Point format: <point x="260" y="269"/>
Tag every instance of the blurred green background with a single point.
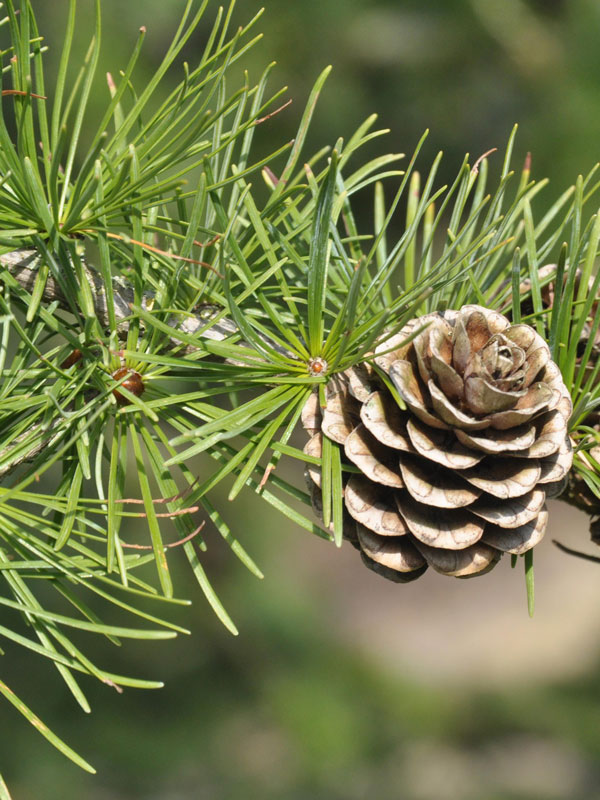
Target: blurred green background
<point x="341" y="686"/>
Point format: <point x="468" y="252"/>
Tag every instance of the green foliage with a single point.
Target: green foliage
<point x="231" y="287"/>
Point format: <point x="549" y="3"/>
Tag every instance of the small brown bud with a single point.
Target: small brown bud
<point x="317" y="366"/>
<point x="75" y="356"/>
<point x="133" y="383"/>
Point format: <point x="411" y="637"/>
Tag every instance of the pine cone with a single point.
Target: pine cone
<point x="462" y="475"/>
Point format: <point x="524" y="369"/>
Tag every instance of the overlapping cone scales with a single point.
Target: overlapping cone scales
<point x="460" y="476"/>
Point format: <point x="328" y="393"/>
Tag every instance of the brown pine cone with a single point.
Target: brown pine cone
<point x="462" y="474"/>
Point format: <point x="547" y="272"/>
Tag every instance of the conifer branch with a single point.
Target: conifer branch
<point x="23" y="266"/>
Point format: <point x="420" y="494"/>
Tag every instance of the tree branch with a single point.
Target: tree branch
<point x="23" y="266"/>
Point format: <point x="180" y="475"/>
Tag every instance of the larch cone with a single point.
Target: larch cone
<point x="462" y="474"/>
